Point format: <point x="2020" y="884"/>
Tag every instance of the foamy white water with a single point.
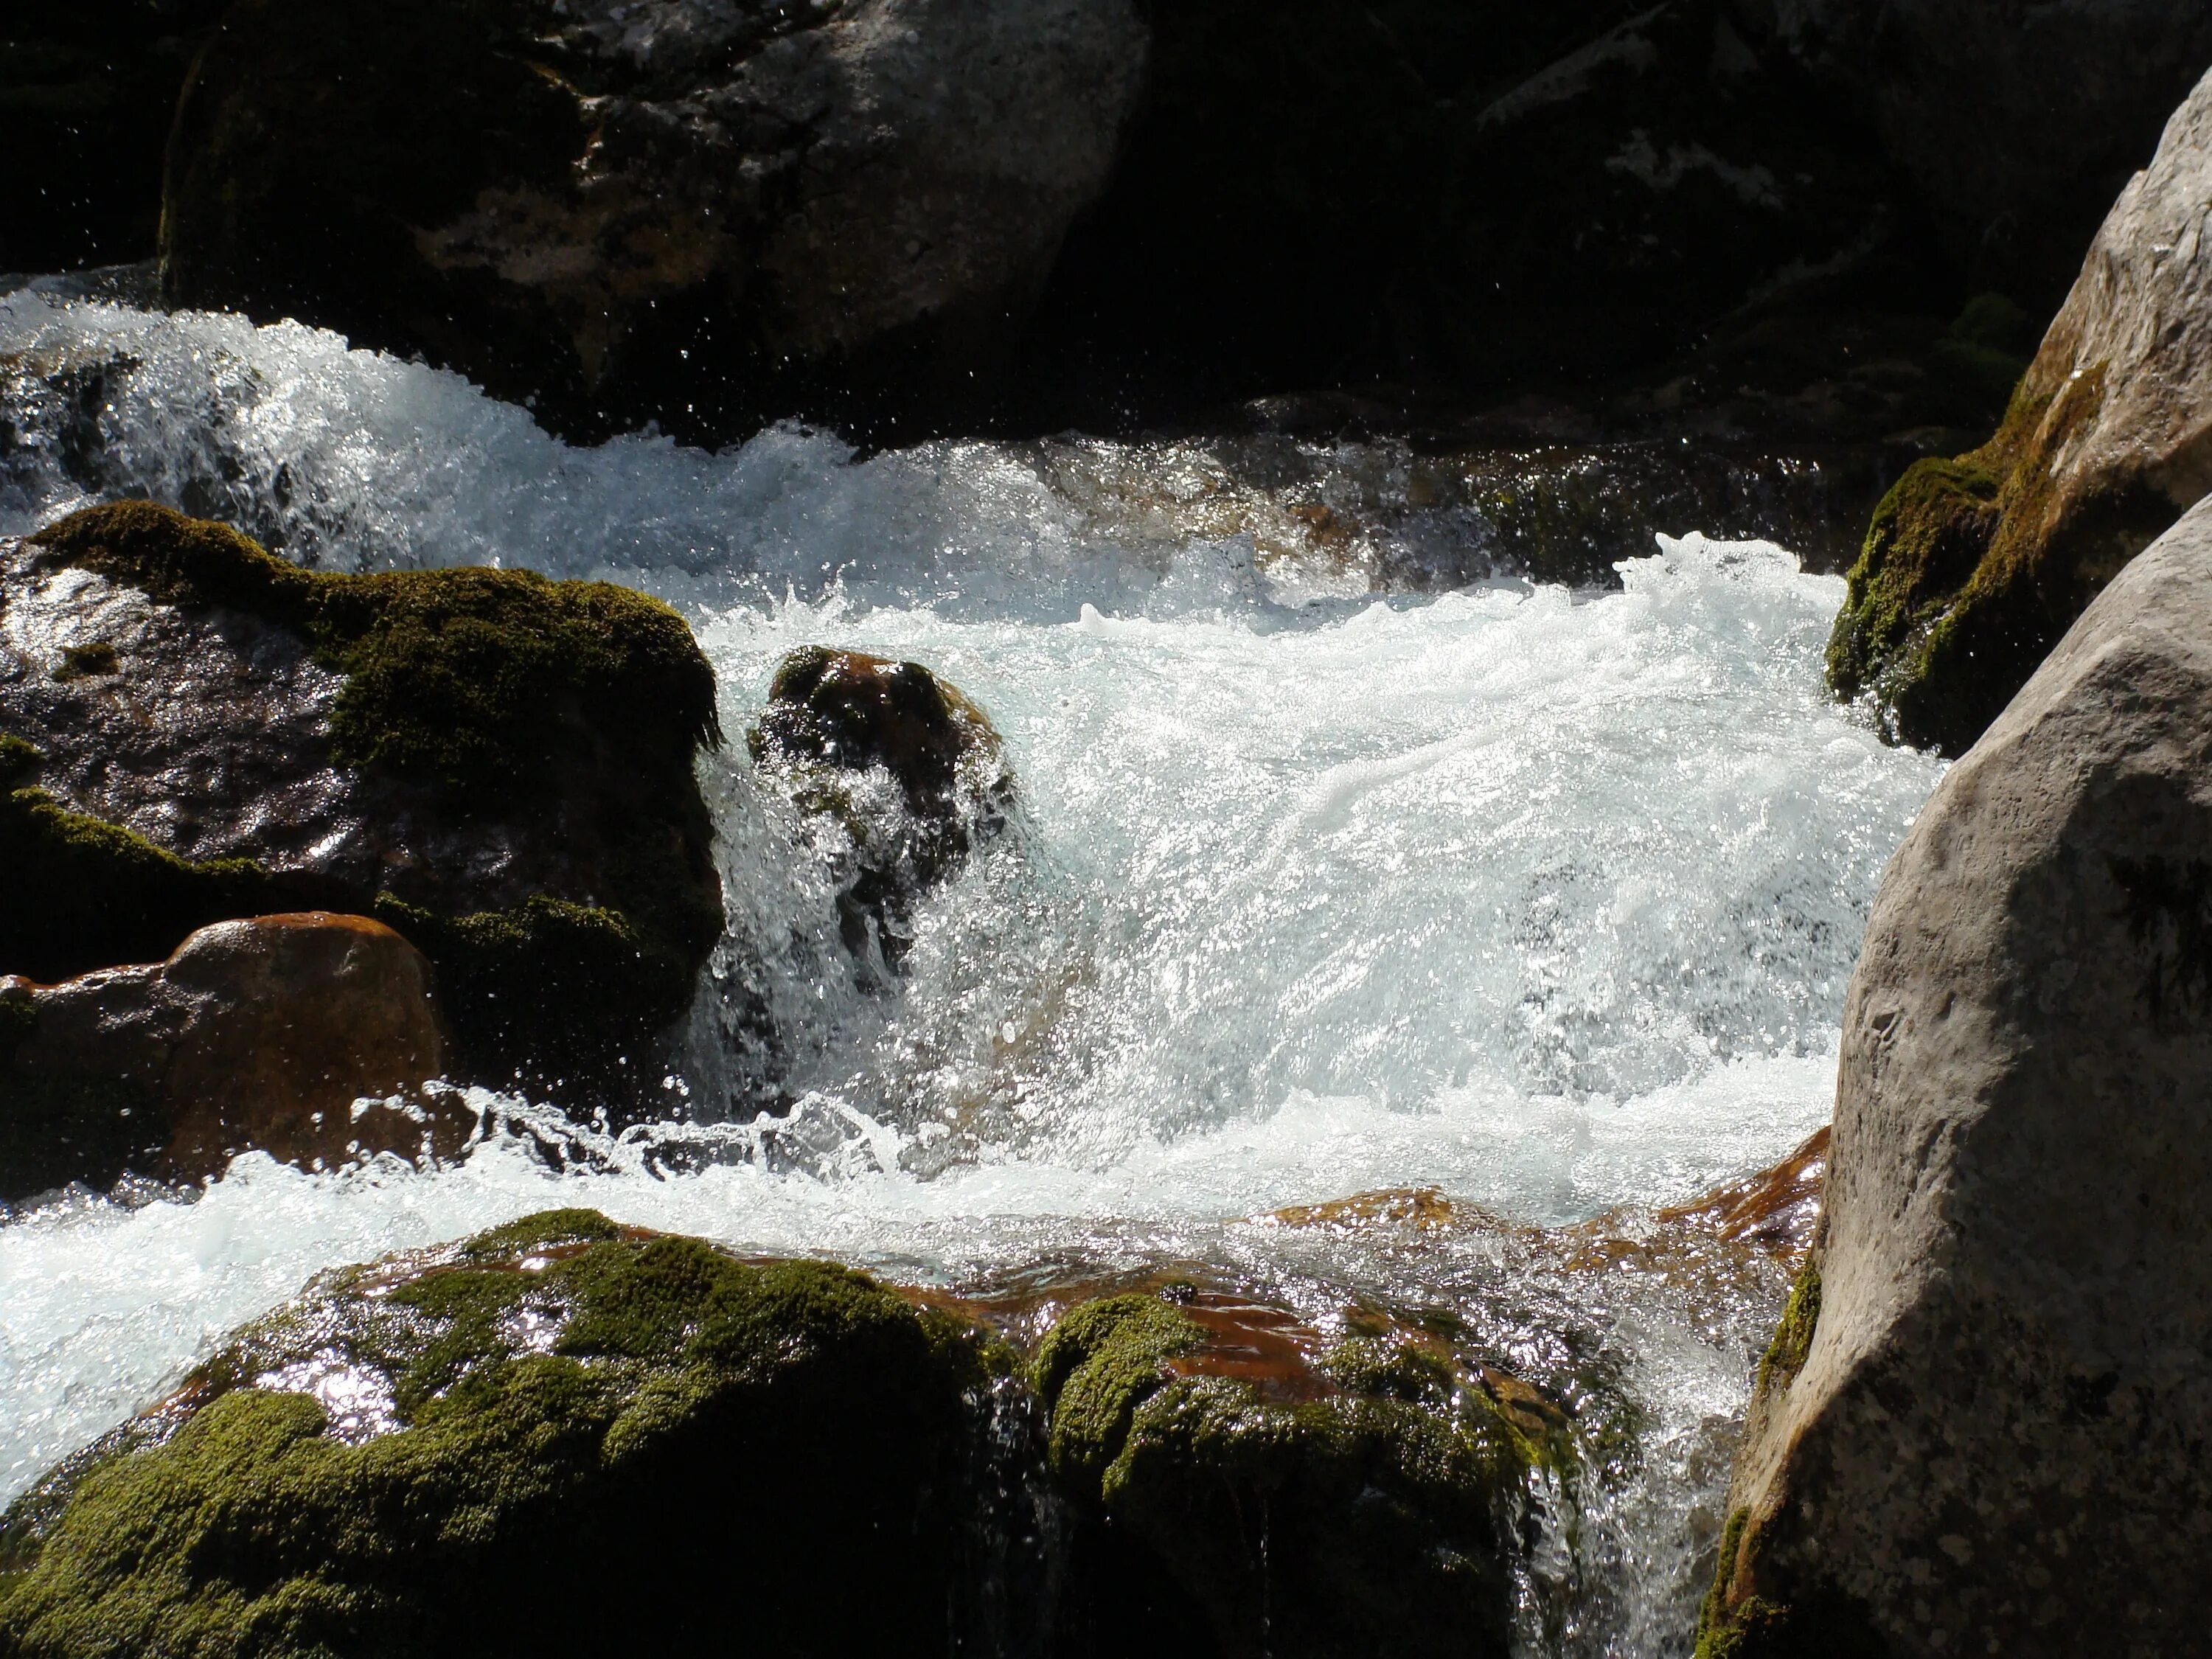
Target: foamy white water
<point x="1542" y="898"/>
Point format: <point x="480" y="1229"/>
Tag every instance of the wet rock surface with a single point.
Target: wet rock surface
<point x="1980" y="1420"/>
<point x="704" y="214"/>
<point x="497" y="765"/>
<point x="389" y="1459"/>
<point x="1973" y="567"/>
<point x="898" y="761"/>
<point x="257" y="1035"/>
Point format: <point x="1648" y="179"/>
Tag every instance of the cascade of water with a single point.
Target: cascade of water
<point x="1542" y="897"/>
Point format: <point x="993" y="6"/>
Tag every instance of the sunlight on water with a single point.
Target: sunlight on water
<point x="1545" y="899"/>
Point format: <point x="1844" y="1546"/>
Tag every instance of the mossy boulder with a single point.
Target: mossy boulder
<point x="1973" y="568"/>
<point x="497" y="765"/>
<point x="903" y="768"/>
<point x="1379" y="1514"/>
<point x="560" y="1438"/>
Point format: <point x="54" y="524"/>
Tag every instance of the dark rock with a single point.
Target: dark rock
<point x="707" y="213"/>
<point x="785" y="1451"/>
<point x="908" y="769"/>
<point x="2015" y="125"/>
<point x="1366" y="1506"/>
<point x="497" y="765"/>
<point x="1980" y="1426"/>
<point x="1973" y="567"/>
<point x="87" y="94"/>
<point x="257" y="1035"/>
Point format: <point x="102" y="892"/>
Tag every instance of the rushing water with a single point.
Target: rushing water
<point x="1543" y="898"/>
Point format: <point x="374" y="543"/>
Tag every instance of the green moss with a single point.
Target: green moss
<point x="643" y="1410"/>
<point x="1368" y="1522"/>
<point x="18" y="758"/>
<point x="1823" y="1624"/>
<point x="84" y="662"/>
<point x="483" y="681"/>
<point x="85" y="893"/>
<point x="1792" y="1343"/>
<point x="498" y="691"/>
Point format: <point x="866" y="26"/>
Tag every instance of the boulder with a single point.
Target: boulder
<point x="88" y="92"/>
<point x="1973" y="567"/>
<point x="2015" y="126"/>
<point x="497" y="766"/>
<point x="256" y="1035"/>
<point x="1981" y="1424"/>
<point x="907" y="773"/>
<point x="1365" y="1504"/>
<point x="707" y="213"/>
<point x="394" y="1464"/>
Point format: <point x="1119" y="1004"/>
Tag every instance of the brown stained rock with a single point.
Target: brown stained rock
<point x="256" y="1035"/>
<point x="1981" y="1427"/>
<point x="1974" y="568"/>
<point x="1776" y="1209"/>
<point x="902" y="761"/>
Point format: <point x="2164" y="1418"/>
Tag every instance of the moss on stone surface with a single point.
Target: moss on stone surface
<point x="498" y="693"/>
<point x="1824" y="1625"/>
<point x="84" y="892"/>
<point x="1792" y="1342"/>
<point x="557" y="1395"/>
<point x="1358" y="1523"/>
<point x="1973" y="569"/>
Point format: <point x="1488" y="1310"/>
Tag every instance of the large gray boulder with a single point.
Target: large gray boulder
<point x="1983" y="1426"/>
<point x="2016" y="123"/>
<point x="699" y="210"/>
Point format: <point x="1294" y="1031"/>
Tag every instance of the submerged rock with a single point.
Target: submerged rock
<point x="421" y="1454"/>
<point x="255" y="1035"/>
<point x="706" y="214"/>
<point x="496" y="765"/>
<point x="1981" y="1423"/>
<point x="908" y="769"/>
<point x="1973" y="567"/>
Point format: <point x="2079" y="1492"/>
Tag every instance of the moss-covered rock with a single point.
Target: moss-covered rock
<point x="561" y="1437"/>
<point x="1973" y="569"/>
<point x="497" y="765"/>
<point x="1379" y="1517"/>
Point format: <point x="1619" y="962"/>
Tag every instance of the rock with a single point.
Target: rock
<point x="1365" y="1510"/>
<point x="1981" y="1424"/>
<point x="2015" y="127"/>
<point x="394" y="1464"/>
<point x="909" y="772"/>
<point x="389" y="1463"/>
<point x="88" y="92"/>
<point x="255" y="1035"/>
<point x="498" y="766"/>
<point x="1973" y="567"/>
<point x="705" y="213"/>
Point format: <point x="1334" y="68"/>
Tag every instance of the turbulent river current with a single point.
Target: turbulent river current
<point x="1344" y="860"/>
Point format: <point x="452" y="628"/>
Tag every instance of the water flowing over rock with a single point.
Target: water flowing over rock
<point x="1974" y="566"/>
<point x="901" y="761"/>
<point x="257" y="1035"/>
<point x="701" y="213"/>
<point x="2014" y="124"/>
<point x="1981" y="1423"/>
<point x="497" y="765"/>
<point x="394" y="1458"/>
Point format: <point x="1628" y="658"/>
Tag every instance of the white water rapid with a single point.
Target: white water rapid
<point x="1543" y="898"/>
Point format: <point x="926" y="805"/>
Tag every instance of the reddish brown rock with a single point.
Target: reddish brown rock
<point x="256" y="1035"/>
